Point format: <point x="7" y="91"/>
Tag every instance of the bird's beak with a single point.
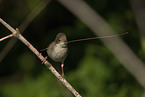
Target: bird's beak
<point x="65" y="42"/>
<point x="62" y="44"/>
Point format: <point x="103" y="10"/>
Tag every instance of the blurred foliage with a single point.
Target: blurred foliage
<point x="90" y="67"/>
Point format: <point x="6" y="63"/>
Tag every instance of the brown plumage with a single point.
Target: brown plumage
<point x="57" y="50"/>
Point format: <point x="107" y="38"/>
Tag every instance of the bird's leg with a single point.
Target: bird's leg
<point x="62" y="70"/>
<point x="44" y="59"/>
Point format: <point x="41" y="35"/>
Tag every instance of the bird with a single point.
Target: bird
<point x="57" y="50"/>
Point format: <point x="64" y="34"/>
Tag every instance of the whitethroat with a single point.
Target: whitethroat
<point x="58" y="50"/>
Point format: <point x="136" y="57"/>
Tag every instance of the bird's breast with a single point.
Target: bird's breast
<point x="58" y="53"/>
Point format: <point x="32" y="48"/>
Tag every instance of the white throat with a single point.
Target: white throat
<point x="62" y="44"/>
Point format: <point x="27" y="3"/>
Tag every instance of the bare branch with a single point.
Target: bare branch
<point x="23" y="26"/>
<point x="47" y="64"/>
<point x="11" y="35"/>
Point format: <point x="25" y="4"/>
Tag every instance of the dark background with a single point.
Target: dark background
<point x="90" y="67"/>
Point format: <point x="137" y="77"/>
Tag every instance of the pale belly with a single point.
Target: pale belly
<point x="58" y="54"/>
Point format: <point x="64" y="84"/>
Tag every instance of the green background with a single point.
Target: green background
<point x="90" y="67"/>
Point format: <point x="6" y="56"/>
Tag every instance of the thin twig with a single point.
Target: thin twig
<point x="108" y="36"/>
<point x="48" y="65"/>
<point x="11" y="35"/>
<point x="44" y="49"/>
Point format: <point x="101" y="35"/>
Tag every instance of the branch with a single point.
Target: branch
<point x="100" y="27"/>
<point x="23" y="26"/>
<point x="47" y="64"/>
<point x="11" y="35"/>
